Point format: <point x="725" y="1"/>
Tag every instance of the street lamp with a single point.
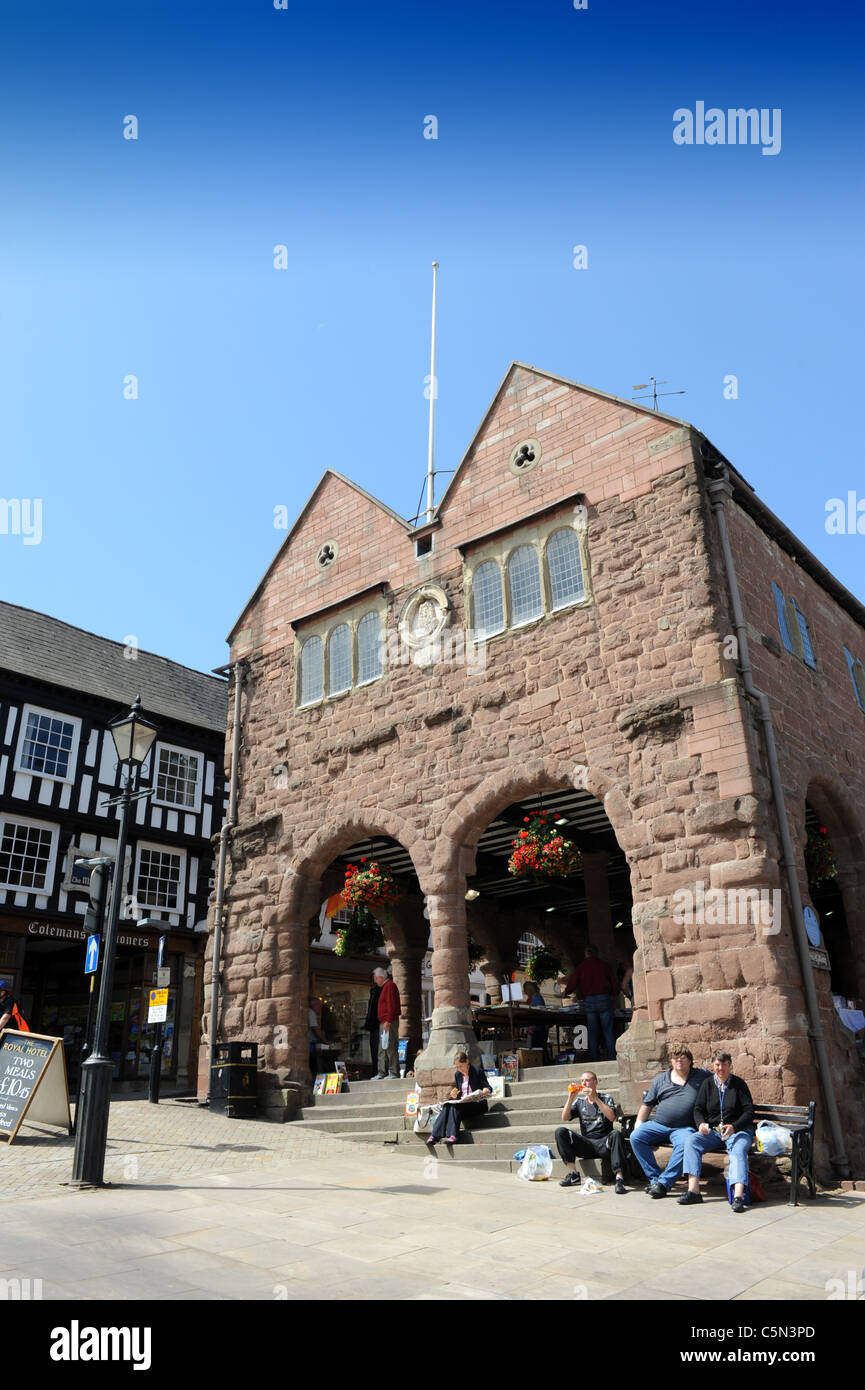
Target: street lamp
<point x="133" y="738"/>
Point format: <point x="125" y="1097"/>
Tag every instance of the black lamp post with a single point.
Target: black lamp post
<point x="133" y="738"/>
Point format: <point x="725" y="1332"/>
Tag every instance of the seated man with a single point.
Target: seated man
<point x="724" y="1114"/>
<point x="597" y="1136"/>
<point x="674" y="1092"/>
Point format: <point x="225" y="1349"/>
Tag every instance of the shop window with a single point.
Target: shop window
<point x="27" y="855"/>
<point x="565" y="569"/>
<point x="311" y="671"/>
<point x="488" y="600"/>
<point x="524" y="583"/>
<point x="49" y="744"/>
<point x="857" y="676"/>
<point x="159" y="878"/>
<point x="793" y="627"/>
<point x="368" y="648"/>
<point x="178" y="778"/>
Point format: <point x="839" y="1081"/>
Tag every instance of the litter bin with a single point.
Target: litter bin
<point x="232" y="1081"/>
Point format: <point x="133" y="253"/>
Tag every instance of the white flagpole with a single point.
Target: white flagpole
<point x="430" y="472"/>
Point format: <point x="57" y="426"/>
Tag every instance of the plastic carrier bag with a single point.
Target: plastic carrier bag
<point x="537" y="1163"/>
<point x="773" y="1139"/>
<point x="425" y="1117"/>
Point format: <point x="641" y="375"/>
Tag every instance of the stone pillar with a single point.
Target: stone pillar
<point x="285" y="1016"/>
<point x="598" y="904"/>
<point x="452" y="1029"/>
<point x="406" y="962"/>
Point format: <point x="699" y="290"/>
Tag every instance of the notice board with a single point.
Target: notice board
<point x="32" y="1082"/>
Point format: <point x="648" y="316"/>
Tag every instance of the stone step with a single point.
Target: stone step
<point x="549" y="1102"/>
<point x="528" y="1110"/>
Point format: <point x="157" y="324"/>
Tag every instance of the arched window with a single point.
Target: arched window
<point x="310" y="671"/>
<point x="339" y="660"/>
<point x="524" y="579"/>
<point x="566" y="570"/>
<point x="489" y="602"/>
<point x="368" y="648"/>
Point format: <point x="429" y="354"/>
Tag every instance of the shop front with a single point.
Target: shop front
<point x="46" y="963"/>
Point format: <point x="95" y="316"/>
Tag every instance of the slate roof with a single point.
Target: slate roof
<point x="45" y="649"/>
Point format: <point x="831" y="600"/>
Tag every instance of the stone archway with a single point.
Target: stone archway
<point x="831" y="801"/>
<point x="455" y="860"/>
<point x="281" y="1010"/>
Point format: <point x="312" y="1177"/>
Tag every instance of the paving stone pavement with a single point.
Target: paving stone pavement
<point x="202" y="1207"/>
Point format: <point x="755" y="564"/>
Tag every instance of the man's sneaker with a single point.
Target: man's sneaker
<point x="690" y="1199"/>
<point x="738" y="1203"/>
<point x="379" y="1076"/>
<point x="648" y="1189"/>
<point x="657" y="1189"/>
<point x="620" y="1186"/>
<point x="571" y="1180"/>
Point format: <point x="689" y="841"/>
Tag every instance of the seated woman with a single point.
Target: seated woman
<point x="724" y="1116"/>
<point x="467" y="1078"/>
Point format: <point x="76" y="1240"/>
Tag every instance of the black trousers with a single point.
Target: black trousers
<point x="572" y="1146"/>
<point x="373" y="1047"/>
<point x="448" y="1122"/>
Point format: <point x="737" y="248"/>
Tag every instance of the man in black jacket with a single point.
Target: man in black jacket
<point x="468" y="1080"/>
<point x="724" y="1116"/>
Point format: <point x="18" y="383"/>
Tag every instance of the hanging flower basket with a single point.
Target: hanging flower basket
<point x="540" y="852"/>
<point x="819" y="856"/>
<point x="370" y="885"/>
<point x="361" y="936"/>
<point x="543" y="964"/>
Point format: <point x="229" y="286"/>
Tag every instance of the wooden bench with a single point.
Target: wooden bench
<point x="799" y="1119"/>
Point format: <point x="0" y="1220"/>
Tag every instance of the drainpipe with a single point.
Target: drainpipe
<point x="718" y="489"/>
<point x="224" y="836"/>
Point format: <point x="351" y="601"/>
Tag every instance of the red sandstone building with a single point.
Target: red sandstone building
<point x="604" y="619"/>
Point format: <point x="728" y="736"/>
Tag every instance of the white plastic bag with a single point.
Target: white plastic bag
<point x="383" y="1039"/>
<point x="590" y="1187"/>
<point x="537" y="1164"/>
<point x="773" y="1139"/>
<point x="425" y="1117"/>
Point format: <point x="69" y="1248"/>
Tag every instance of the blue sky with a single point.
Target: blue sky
<point x="304" y="127"/>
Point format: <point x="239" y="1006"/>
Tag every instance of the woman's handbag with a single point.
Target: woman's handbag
<point x="425" y="1117"/>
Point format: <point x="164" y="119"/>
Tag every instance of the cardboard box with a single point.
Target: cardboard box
<point x="530" y="1057"/>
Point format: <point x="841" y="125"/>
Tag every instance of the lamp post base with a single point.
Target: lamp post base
<point x="91" y="1122"/>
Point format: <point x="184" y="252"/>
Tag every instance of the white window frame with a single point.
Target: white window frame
<point x="536" y="537"/>
<point x="153" y="847"/>
<point x="315" y="699"/>
<point x="73" y="751"/>
<point x="51" y="870"/>
<point x="154" y="774"/>
<point x="351" y="618"/>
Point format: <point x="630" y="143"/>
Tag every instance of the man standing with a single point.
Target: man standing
<point x="388" y="1020"/>
<point x="315" y="1033"/>
<point x="599" y="987"/>
<point x="597" y="1136"/>
<point x="371" y="1021"/>
<point x="674" y="1093"/>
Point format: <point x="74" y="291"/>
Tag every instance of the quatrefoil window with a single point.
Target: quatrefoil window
<point x="525" y="456"/>
<point x="327" y="553"/>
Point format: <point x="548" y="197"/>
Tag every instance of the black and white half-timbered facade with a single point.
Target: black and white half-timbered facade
<point x="59" y="689"/>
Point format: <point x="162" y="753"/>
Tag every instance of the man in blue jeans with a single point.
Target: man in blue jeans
<point x="597" y="983"/>
<point x="674" y="1093"/>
